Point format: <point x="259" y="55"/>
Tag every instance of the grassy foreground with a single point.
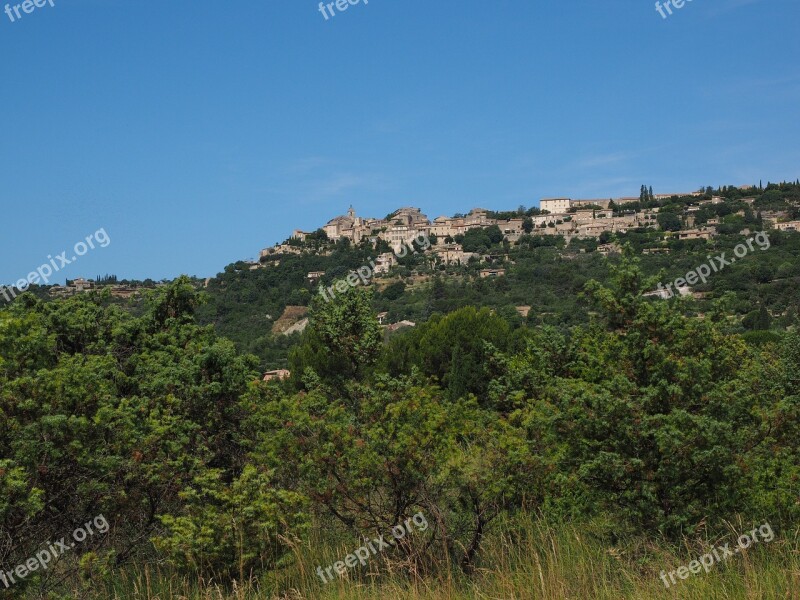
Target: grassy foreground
<point x="534" y="560"/>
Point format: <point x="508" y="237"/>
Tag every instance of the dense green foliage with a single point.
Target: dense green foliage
<point x="660" y="419"/>
<point x="542" y="272"/>
<point x="135" y="418"/>
<point x="659" y="423"/>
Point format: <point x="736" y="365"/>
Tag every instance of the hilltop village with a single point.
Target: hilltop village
<point x="565" y="217"/>
<point x="597" y="225"/>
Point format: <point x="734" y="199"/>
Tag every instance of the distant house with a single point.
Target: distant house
<point x="772" y="217"/>
<point x="453" y="254"/>
<point x="704" y="233"/>
<point x="665" y="294"/>
<point x="279" y="249"/>
<point x="603" y="203"/>
<point x="277" y="374"/>
<point x="512" y="227"/>
<point x="555" y="205"/>
<point x="315" y="276"/>
<point x="123" y="291"/>
<point x="400" y="325"/>
<point x="583" y="215"/>
<point x="82" y="285"/>
<point x="595" y="229"/>
<point x="59" y="290"/>
<point x="679" y="195"/>
<point x="384" y="263"/>
<point x="443" y="227"/>
<point x="606" y="249"/>
<point x="492" y="273"/>
<point x="788" y="226"/>
<point x="523" y="310"/>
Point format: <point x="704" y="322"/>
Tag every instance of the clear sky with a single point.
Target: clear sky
<point x="196" y="133"/>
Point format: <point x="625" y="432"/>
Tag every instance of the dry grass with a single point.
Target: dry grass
<point x="529" y="561"/>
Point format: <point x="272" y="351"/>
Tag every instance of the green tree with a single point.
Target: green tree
<point x="104" y="412"/>
<point x="494" y="234"/>
<point x="453" y="348"/>
<point x="527" y="225"/>
<point x="669" y="221"/>
<point x="657" y="434"/>
<point x="342" y="340"/>
<point x="476" y="240"/>
<point x="393" y="448"/>
<point x="758" y="320"/>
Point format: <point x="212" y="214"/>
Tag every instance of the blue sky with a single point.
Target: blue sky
<point x="196" y="133"/>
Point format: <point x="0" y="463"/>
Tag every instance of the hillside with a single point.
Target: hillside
<point x="461" y="447"/>
<point x="543" y="271"/>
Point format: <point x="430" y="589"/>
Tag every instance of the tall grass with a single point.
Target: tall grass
<point x="520" y="560"/>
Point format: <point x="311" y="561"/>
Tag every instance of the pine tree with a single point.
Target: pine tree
<point x="763" y="319"/>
